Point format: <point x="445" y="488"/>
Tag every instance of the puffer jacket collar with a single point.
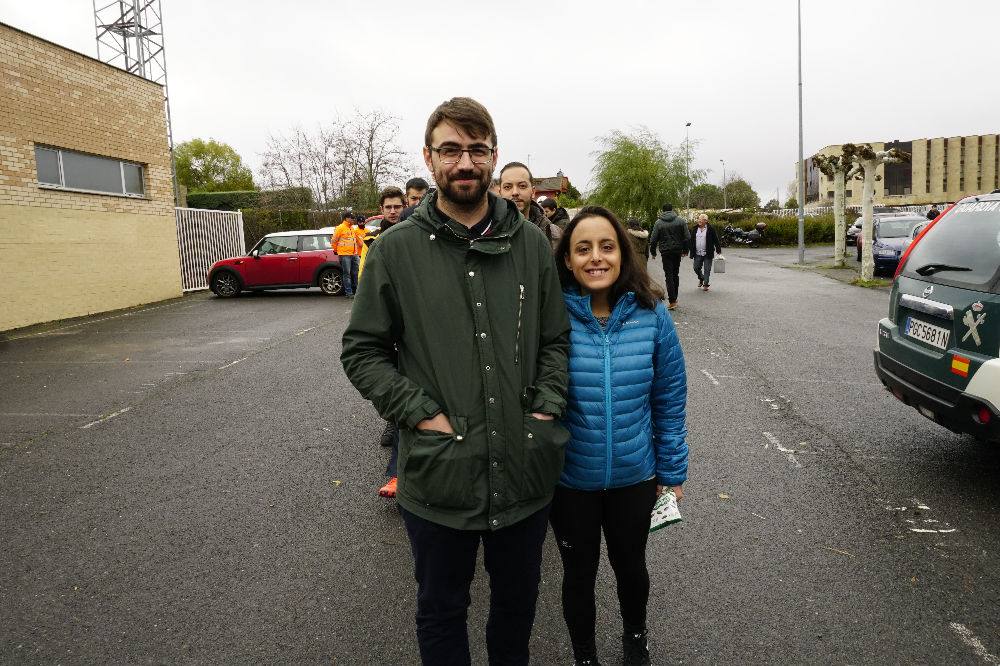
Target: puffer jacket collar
<point x="578" y="306"/>
<point x="507" y="223"/>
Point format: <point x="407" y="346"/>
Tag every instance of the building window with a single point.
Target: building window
<point x="70" y="170"/>
<point x="848" y="193"/>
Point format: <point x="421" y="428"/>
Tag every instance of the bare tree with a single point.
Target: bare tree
<point x="342" y="163"/>
<point x="867" y="159"/>
<point x="840" y="168"/>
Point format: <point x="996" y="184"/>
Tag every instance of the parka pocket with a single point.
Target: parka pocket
<point x="441" y="470"/>
<point x="542" y="456"/>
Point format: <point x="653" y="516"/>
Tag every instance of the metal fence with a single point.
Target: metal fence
<point x="856" y="209"/>
<point x="204" y="237"/>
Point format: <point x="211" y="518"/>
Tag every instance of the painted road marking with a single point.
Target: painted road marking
<point x="712" y="379"/>
<point x="306" y="331"/>
<point x="977" y="646"/>
<point x="229" y="365"/>
<point x="43" y="414"/>
<point x="106" y="418"/>
<point x="918" y="524"/>
<point x="777" y="444"/>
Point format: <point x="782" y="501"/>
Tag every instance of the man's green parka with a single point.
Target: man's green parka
<point x="476" y="329"/>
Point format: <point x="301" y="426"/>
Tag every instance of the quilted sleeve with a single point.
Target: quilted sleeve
<point x="669" y="403"/>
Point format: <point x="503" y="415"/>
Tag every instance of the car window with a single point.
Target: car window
<point x="968" y="237"/>
<point x="314" y="243"/>
<point x="278" y="245"/>
<point x="890" y="228"/>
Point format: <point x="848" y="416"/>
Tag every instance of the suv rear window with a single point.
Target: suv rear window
<point x="969" y="237"/>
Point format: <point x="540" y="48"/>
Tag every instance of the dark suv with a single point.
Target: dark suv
<point x="284" y="260"/>
<point x="938" y="348"/>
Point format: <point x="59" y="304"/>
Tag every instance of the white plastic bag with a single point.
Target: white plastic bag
<point x="719" y="265"/>
<point x="665" y="511"/>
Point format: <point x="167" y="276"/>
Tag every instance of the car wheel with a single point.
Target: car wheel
<point x="225" y="284"/>
<point x="330" y="282"/>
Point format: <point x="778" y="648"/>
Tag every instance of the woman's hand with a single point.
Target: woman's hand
<point x="678" y="491"/>
<point x="542" y="417"/>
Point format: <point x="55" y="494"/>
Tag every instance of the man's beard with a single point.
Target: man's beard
<point x="464" y="197"/>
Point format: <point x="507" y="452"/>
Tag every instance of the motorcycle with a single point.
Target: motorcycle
<point x="736" y="236"/>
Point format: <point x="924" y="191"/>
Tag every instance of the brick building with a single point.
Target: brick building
<point x="86" y="199"/>
<point x="551" y="186"/>
<point x="940" y="170"/>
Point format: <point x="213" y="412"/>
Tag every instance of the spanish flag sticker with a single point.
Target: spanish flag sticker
<point x="960" y="365"/>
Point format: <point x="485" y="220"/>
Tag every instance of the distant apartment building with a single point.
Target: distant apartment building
<point x="940" y="170"/>
<point x="86" y="198"/>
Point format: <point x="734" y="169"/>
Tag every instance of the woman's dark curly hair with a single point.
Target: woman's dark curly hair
<point x="633" y="276"/>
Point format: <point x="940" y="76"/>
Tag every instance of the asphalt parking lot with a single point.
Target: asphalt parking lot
<point x="195" y="482"/>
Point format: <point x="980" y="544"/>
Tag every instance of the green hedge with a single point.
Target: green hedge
<point x="289" y="198"/>
<point x="257" y="222"/>
<point x="780" y="230"/>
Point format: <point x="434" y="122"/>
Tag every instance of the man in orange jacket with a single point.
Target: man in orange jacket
<point x="348" y="239"/>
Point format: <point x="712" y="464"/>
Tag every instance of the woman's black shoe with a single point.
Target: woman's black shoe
<point x="635" y="648"/>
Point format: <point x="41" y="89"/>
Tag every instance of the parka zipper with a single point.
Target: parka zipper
<point x="517" y="340"/>
<point x="607" y="408"/>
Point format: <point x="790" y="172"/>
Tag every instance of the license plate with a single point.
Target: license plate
<point x="936" y="336"/>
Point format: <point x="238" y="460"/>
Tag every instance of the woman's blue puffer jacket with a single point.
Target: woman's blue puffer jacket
<point x="627" y="396"/>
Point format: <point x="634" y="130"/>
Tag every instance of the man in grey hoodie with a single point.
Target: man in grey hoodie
<point x="670" y="236"/>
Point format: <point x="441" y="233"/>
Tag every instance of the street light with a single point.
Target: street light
<point x="725" y="201"/>
<point x="687" y="164"/>
<point x="802" y="164"/>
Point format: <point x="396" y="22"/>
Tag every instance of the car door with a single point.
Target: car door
<point x="315" y="252"/>
<point x="275" y="264"/>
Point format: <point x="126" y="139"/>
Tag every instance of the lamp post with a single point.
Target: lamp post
<point x="725" y="201"/>
<point x="802" y="163"/>
<point x="687" y="165"/>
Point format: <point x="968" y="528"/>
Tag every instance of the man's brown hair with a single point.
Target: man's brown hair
<point x="390" y="193"/>
<point x="467" y="114"/>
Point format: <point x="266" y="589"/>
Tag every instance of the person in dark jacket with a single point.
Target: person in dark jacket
<point x="626" y="418"/>
<point x="640" y="239"/>
<point x="933" y="213"/>
<point x="467" y="292"/>
<point x="517" y="184"/>
<point x="670" y="236"/>
<point x="702" y="248"/>
<point x="557" y="214"/>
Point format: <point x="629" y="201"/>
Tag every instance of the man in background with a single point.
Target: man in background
<point x="516" y="185"/>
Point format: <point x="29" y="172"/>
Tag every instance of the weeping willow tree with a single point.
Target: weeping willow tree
<point x="840" y="168"/>
<point x="636" y="173"/>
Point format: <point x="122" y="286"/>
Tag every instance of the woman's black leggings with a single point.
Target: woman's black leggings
<point x="578" y="517"/>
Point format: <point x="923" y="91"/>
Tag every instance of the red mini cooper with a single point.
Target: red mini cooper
<point x="283" y="260"/>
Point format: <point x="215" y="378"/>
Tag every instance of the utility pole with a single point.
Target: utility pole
<point x="725" y="200"/>
<point x="802" y="162"/>
<point x="687" y="164"/>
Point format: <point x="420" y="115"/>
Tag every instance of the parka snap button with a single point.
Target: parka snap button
<point x="530" y="436"/>
<point x="495" y="463"/>
<point x="492" y="401"/>
<point x="495" y="522"/>
<point x="479" y="305"/>
<point x="487" y="368"/>
<point x="472" y="273"/>
<point x="432" y="236"/>
<point x="493" y="434"/>
<point x="482" y="335"/>
<point x="496" y="494"/>
<point x="460" y="438"/>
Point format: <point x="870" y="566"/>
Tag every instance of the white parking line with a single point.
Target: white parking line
<point x="977" y="646"/>
<point x="229" y="365"/>
<point x="106" y="418"/>
<point x="777" y="444"/>
<point x="710" y="377"/>
<point x="312" y="328"/>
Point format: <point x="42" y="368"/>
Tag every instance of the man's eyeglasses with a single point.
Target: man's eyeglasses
<point x="453" y="154"/>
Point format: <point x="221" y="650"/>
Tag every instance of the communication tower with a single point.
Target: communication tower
<point x="130" y="37"/>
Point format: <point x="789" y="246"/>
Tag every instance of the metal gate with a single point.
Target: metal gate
<point x="204" y="237"/>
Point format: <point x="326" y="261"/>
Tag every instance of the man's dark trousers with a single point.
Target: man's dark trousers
<point x="671" y="272"/>
<point x="444" y="565"/>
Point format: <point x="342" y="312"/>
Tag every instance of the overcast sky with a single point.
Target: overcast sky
<point x="557" y="74"/>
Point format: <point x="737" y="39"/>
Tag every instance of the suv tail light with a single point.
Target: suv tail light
<point x="906" y="255"/>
